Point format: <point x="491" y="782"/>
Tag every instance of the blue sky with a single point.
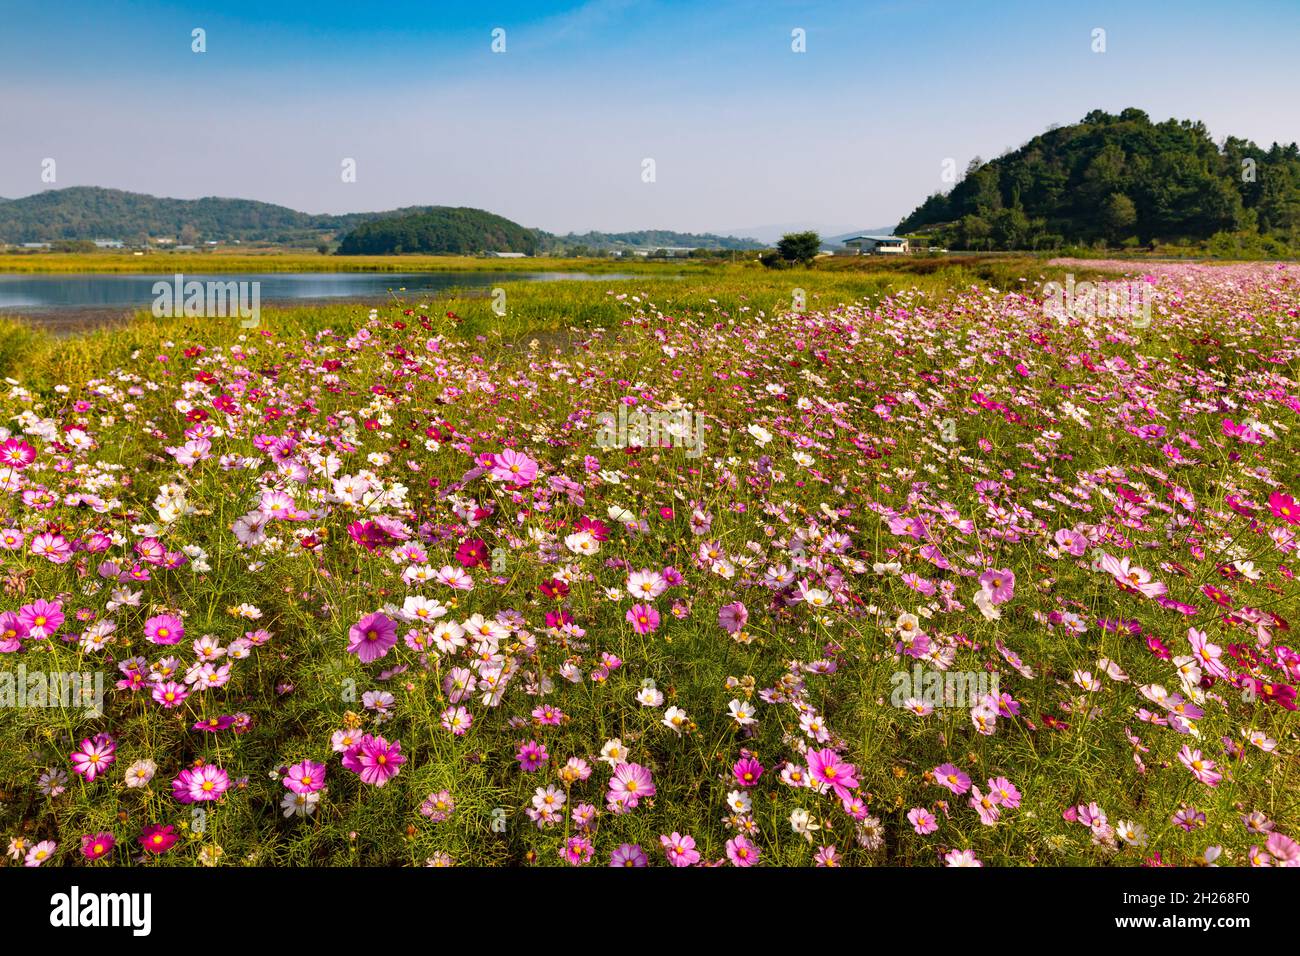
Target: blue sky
<point x="553" y="132"/>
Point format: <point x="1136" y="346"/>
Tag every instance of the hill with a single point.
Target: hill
<point x="1118" y="180"/>
<point x="441" y="229"/>
<point x="89" y="212"/>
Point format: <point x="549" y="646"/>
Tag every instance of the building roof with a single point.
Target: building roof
<point x="876" y="238"/>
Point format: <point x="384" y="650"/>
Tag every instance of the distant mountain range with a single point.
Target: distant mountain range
<point x="91" y="212"/>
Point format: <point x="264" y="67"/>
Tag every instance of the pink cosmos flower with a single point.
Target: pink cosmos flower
<point x="680" y="849"/>
<point x="514" y="467"/>
<point x="164" y="629"/>
<point x="630" y="783"/>
<point x="1005" y="792"/>
<point x="41" y="618"/>
<point x="643" y="618"/>
<point x="374" y="759"/>
<point x="1283" y="849"/>
<point x="628" y="854"/>
<point x="200" y="784"/>
<point x="998" y="585"/>
<point x="577" y="851"/>
<point x="40" y="853"/>
<point x="922" y="820"/>
<point x="826" y="767"/>
<point x="948" y="775"/>
<point x="457" y="719"/>
<point x="1202" y="769"/>
<point x="170" y="694"/>
<point x="372" y="637"/>
<point x="94" y="757"/>
<point x="986" y="805"/>
<point x="531" y="756"/>
<point x="306" y="776"/>
<point x="733" y="617"/>
<point x="12" y="632"/>
<point x="741" y="852"/>
<point x="1284" y="507"/>
<point x="1072" y="542"/>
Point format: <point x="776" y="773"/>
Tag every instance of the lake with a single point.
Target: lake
<point x="49" y="295"/>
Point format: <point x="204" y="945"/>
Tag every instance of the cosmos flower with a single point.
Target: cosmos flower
<point x="94" y="756"/>
<point x="372" y="637"/>
<point x="374" y="759"/>
<point x="94" y="846"/>
<point x="158" y="838"/>
<point x="306" y="776"/>
<point x="680" y="849"/>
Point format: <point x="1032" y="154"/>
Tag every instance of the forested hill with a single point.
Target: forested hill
<point x="1120" y="180"/>
<point x="89" y="212"/>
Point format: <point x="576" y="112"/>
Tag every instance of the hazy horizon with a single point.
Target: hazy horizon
<point x="553" y="132"/>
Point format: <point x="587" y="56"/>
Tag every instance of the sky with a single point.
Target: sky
<point x="555" y="131"/>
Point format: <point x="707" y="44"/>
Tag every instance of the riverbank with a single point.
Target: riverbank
<point x="223" y="261"/>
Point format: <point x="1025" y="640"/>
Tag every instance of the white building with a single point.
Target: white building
<point x="879" y="245"/>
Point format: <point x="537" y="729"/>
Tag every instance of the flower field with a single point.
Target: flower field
<point x="938" y="580"/>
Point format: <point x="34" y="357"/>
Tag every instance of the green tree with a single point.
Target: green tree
<point x="799" y="246"/>
<point x="1118" y="216"/>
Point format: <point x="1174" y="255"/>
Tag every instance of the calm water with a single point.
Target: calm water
<point x="52" y="293"/>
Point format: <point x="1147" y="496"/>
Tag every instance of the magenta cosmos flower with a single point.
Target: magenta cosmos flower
<point x="372" y="637"/>
<point x="825" y="766"/>
<point x="374" y="759"/>
<point x="157" y="838"/>
<point x="94" y="757"/>
<point x="680" y="849"/>
<point x="41" y="618"/>
<point x="164" y="629"/>
<point x="513" y="467"/>
<point x="15" y="453"/>
<point x="96" y="845"/>
<point x="306" y="776"/>
<point x="747" y="770"/>
<point x="643" y="618"/>
<point x="531" y="756"/>
<point x="1284" y="507"/>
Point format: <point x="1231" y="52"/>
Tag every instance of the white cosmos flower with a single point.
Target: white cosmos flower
<point x="801" y="823"/>
<point x="675" y="719"/>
